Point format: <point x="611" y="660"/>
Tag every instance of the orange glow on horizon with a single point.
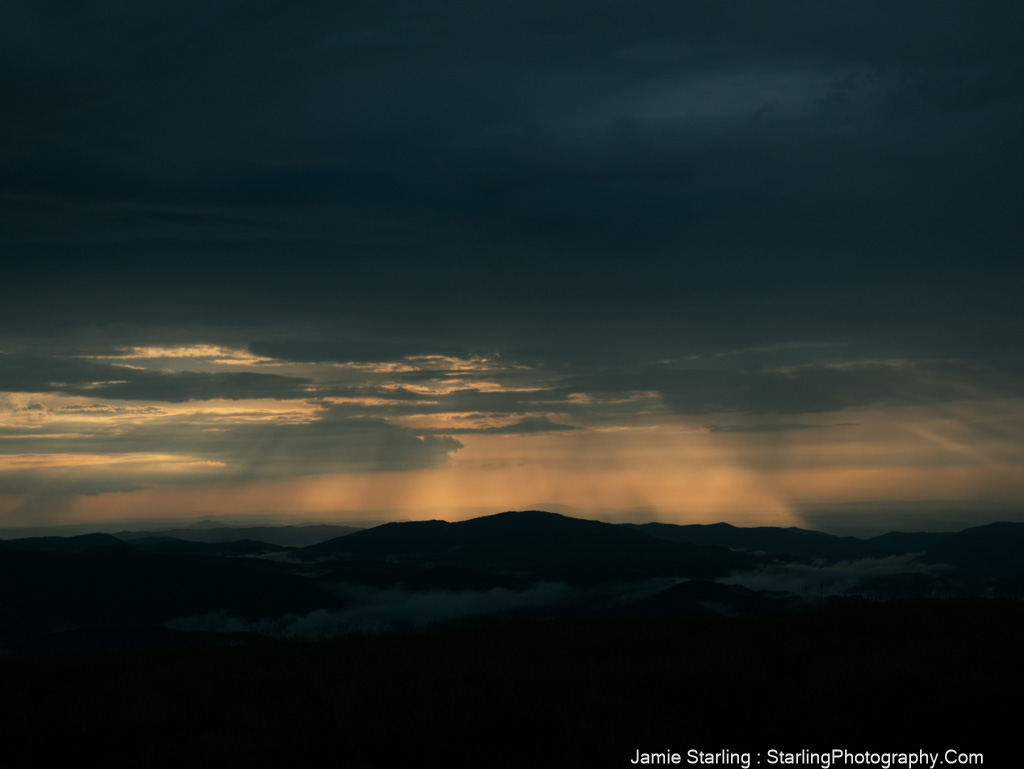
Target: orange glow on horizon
<point x="672" y="469"/>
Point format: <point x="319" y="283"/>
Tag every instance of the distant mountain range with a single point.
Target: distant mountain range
<point x="63" y="591"/>
<point x="285" y="536"/>
<point x="792" y="541"/>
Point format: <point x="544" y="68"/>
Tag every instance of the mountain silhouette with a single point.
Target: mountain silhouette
<point x="285" y="536"/>
<point x="991" y="556"/>
<point x="896" y="542"/>
<point x="183" y="547"/>
<point x="540" y="544"/>
<point x="802" y="543"/>
<point x="514" y="565"/>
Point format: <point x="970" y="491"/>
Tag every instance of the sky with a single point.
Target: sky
<point x="676" y="261"/>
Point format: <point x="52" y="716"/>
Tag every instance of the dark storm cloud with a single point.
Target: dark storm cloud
<point x="808" y="390"/>
<point x="399" y="394"/>
<point x="403" y="403"/>
<point x="568" y="123"/>
<point x="191" y="450"/>
<point x="332" y="443"/>
<point x="522" y="427"/>
<point x="583" y="187"/>
<point x="75" y="376"/>
<point x="771" y="428"/>
<point x="362" y="350"/>
<point x="329" y="441"/>
<point x="56" y="484"/>
<point x="708" y="386"/>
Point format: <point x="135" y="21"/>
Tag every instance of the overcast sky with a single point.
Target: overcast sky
<point x="674" y="260"/>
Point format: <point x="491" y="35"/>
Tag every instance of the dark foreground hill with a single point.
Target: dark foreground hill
<point x="900" y="676"/>
<point x="77" y="544"/>
<point x="50" y="591"/>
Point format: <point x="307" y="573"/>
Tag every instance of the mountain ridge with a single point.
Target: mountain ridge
<point x="546" y="545"/>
